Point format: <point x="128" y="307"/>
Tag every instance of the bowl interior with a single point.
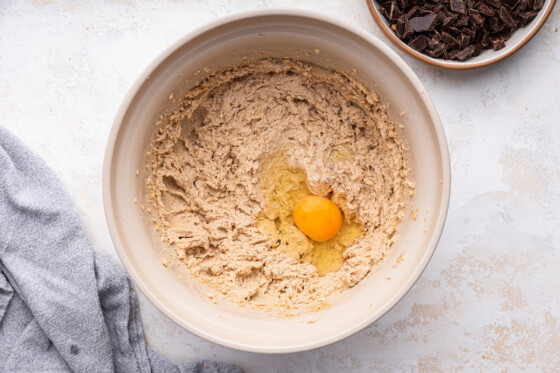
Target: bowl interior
<point x="228" y="42"/>
<point x="488" y="56"/>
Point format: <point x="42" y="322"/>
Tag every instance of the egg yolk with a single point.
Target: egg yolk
<point x="319" y="218"/>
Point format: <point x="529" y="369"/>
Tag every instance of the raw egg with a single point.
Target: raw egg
<point x="318" y="217"/>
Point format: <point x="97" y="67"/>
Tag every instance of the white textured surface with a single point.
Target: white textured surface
<point x="489" y="298"/>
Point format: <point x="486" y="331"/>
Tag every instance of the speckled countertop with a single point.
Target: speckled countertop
<point x="489" y="299"/>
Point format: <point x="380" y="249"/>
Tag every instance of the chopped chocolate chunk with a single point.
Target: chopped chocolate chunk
<point x="403" y="3"/>
<point x="392" y="11"/>
<point x="434" y="44"/>
<point x="450" y="40"/>
<point x="506" y="17"/>
<point x="506" y="34"/>
<point x="431" y="53"/>
<point x="404" y="31"/>
<point x="522" y="6"/>
<point x="485" y="40"/>
<point x="465" y="40"/>
<point x="453" y="54"/>
<point x="495" y="25"/>
<point x="497" y="43"/>
<point x="494" y="3"/>
<point x="486" y="10"/>
<point x="426" y="23"/>
<point x="538" y="5"/>
<point x="511" y="4"/>
<point x="462" y="21"/>
<point x="526" y="17"/>
<point x="437" y="51"/>
<point x="419" y="43"/>
<point x="477" y="49"/>
<point x="412" y="12"/>
<point x="465" y="53"/>
<point x="477" y="19"/>
<point x="457" y="29"/>
<point x="458" y="6"/>
<point x="448" y="21"/>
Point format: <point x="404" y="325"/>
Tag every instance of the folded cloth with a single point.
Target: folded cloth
<point x="63" y="306"/>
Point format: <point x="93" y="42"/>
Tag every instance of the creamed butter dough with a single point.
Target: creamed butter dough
<point x="211" y="180"/>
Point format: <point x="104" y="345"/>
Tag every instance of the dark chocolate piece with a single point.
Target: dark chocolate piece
<point x="458" y="6"/>
<point x="538" y="5"/>
<point x="448" y="21"/>
<point x="419" y="43"/>
<point x="477" y="49"/>
<point x="497" y="43"/>
<point x="511" y="4"/>
<point x="465" y="53"/>
<point x="495" y="25"/>
<point x="477" y="19"/>
<point x="494" y="3"/>
<point x="526" y="17"/>
<point x="403" y="4"/>
<point x="404" y="31"/>
<point x="506" y="17"/>
<point x="453" y="54"/>
<point x="465" y="40"/>
<point x="522" y="6"/>
<point x="435" y="44"/>
<point x="431" y="53"/>
<point x="426" y="23"/>
<point x="449" y="40"/>
<point x="486" y="10"/>
<point x="485" y="40"/>
<point x="506" y="34"/>
<point x="392" y="11"/>
<point x="462" y="21"/>
<point x="415" y="10"/>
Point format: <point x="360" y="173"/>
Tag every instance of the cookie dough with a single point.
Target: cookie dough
<point x="242" y="147"/>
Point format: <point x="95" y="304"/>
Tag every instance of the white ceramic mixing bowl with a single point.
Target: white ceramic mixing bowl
<point x="279" y="33"/>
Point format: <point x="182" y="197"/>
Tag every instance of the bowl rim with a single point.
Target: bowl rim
<point x="447" y="64"/>
<point x="166" y="53"/>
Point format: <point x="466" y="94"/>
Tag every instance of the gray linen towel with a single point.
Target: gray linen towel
<point x="63" y="306"/>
